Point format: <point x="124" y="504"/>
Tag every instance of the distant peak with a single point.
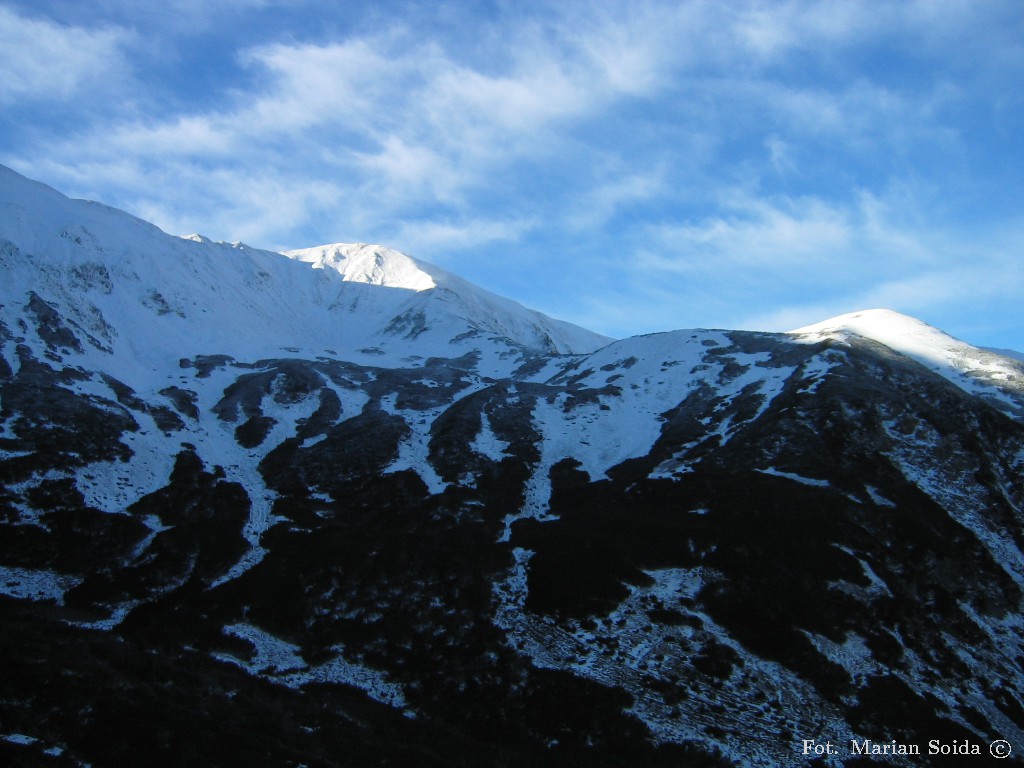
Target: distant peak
<point x="372" y="264"/>
<point x="197" y="238"/>
<point x="958" y="361"/>
<point x="898" y="331"/>
<point x="867" y="321"/>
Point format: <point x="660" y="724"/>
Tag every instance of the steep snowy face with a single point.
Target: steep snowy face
<point x="444" y="294"/>
<point x="994" y="376"/>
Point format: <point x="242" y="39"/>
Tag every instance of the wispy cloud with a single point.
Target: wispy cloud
<point x="438" y="239"/>
<point x="812" y="259"/>
<point x="41" y="60"/>
<point x="757" y="234"/>
<point x="620" y="190"/>
<point x="395" y="119"/>
<point x="989" y="282"/>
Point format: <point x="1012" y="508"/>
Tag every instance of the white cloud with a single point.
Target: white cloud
<point x="756" y="234"/>
<point x="596" y="206"/>
<point x="406" y="168"/>
<point x="777" y="263"/>
<point x="518" y="102"/>
<point x="406" y="120"/>
<point x="393" y="118"/>
<point x="637" y="52"/>
<point x="263" y="208"/>
<point x="437" y="240"/>
<point x="773" y="30"/>
<point x="349" y="82"/>
<point x="188" y="135"/>
<point x="42" y="60"/>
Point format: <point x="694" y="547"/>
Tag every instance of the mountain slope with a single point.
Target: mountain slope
<point x="345" y="509"/>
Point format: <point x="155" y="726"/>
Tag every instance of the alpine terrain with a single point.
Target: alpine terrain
<point x="339" y="507"/>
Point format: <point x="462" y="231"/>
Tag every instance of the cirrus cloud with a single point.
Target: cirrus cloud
<point x="41" y="60"/>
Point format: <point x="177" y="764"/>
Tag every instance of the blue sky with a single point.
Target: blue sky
<point x="631" y="167"/>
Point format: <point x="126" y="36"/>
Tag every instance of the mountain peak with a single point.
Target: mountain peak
<point x="970" y="368"/>
<point x="371" y="264"/>
<point x="482" y="310"/>
<point x="900" y="332"/>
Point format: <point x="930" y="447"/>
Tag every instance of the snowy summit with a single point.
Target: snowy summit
<point x="971" y="368"/>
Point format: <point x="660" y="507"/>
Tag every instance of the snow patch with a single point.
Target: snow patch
<point x="630" y="650"/>
<point x="282" y="662"/>
<point x="486" y="443"/>
<point x="272" y="654"/>
<point x="342" y="671"/>
<point x="414" y="452"/>
<point x="32" y="584"/>
<point x="797" y="478"/>
<point x="878" y="498"/>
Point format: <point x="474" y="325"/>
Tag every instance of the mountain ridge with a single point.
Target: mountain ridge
<point x="263" y="300"/>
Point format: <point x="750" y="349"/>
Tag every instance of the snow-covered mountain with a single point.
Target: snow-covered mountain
<point x="340" y="507"/>
<point x="140" y="295"/>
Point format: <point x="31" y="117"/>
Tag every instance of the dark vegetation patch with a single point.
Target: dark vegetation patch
<point x="889" y="709"/>
<point x="358" y="447"/>
<point x="202" y="517"/>
<point x="56" y="428"/>
<point x="254" y="431"/>
<point x="51" y="326"/>
<point x="165" y="419"/>
<point x="184" y="400"/>
<point x="206" y="364"/>
<point x="71" y="537"/>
